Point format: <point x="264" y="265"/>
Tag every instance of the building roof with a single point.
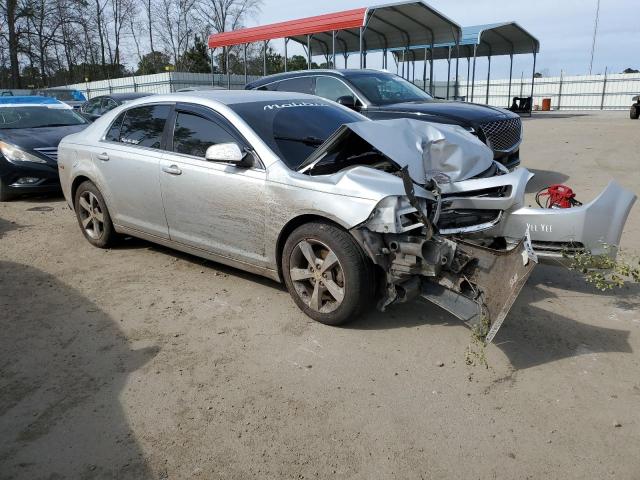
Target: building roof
<point x="388" y="26"/>
<point x="491" y="39"/>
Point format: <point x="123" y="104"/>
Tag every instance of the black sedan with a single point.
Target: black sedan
<point x="383" y="95"/>
<point x="98" y="106"/>
<point x="30" y="130"/>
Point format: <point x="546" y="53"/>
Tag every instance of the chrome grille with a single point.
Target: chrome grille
<point x="50" y="152"/>
<point x="503" y="135"/>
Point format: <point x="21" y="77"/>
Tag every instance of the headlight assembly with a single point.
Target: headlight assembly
<point x="16" y="154"/>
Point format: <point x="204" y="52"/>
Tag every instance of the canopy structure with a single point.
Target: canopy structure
<point x="494" y="39"/>
<point x="400" y="25"/>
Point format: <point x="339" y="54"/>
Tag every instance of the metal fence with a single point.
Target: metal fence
<point x="158" y="83"/>
<point x="587" y="92"/>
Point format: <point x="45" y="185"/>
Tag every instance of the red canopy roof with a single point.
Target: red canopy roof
<point x="304" y="26"/>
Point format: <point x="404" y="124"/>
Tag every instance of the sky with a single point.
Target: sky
<point x="563" y="27"/>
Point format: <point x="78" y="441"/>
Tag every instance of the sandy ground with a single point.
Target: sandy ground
<point x="140" y="362"/>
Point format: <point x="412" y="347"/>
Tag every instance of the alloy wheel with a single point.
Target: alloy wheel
<point x="317" y="275"/>
<point x="91" y="215"/>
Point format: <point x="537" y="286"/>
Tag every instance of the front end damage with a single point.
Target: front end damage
<point x="476" y="284"/>
<point x="462" y="236"/>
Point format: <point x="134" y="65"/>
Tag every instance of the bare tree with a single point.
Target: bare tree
<point x="225" y="15"/>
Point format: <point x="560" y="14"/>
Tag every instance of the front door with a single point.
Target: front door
<point x="210" y="205"/>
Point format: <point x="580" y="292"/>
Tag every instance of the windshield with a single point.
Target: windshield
<point x="294" y="129"/>
<point x="386" y="88"/>
<point x="36" y="117"/>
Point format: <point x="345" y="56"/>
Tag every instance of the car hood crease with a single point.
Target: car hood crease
<point x="427" y="150"/>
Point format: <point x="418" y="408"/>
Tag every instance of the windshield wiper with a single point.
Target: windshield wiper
<point x="313" y="141"/>
<point x="58" y="125"/>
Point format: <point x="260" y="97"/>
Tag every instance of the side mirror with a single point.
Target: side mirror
<point x="348" y="101"/>
<point x="225" y="152"/>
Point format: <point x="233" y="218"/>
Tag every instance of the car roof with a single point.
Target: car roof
<point x="29" y="100"/>
<point x="128" y="95"/>
<point x="231" y="97"/>
<point x="348" y="72"/>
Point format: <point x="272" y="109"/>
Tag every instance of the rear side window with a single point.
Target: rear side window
<point x="141" y="126"/>
<point x="193" y="134"/>
<point x="298" y="85"/>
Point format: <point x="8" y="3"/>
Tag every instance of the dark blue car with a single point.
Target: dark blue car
<point x="30" y="129"/>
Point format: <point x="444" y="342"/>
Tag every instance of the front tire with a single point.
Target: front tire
<point x="634" y="112"/>
<point x="93" y="216"/>
<point x="327" y="273"/>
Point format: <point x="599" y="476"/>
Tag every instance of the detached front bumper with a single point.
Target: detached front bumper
<point x="595" y="227"/>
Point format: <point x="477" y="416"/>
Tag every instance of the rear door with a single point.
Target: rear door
<point x="210" y="205"/>
<point x="128" y="159"/>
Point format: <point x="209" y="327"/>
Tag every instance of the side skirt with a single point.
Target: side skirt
<point x="199" y="252"/>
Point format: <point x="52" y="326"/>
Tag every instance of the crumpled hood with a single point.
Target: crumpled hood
<point x="428" y="150"/>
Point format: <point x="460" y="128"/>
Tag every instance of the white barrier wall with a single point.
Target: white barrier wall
<point x="587" y="92"/>
<point x="158" y="83"/>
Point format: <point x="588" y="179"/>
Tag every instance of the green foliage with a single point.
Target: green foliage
<point x="196" y="59"/>
<point x="475" y="354"/>
<point x="605" y="272"/>
<point x="153" y="62"/>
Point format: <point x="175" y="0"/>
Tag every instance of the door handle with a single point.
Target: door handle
<point x="172" y="170"/>
<point x="104" y="156"/>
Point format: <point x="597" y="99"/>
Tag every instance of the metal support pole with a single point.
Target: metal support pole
<point x="413" y="67"/>
<point x="486" y="98"/>
<point x="456" y="90"/>
<point x="604" y="89"/>
<point x="521" y="82"/>
<point x="346" y="59"/>
<point x="533" y="80"/>
<point x="403" y="62"/>
<point x="309" y="52"/>
<point x="361" y="44"/>
<point x="473" y="78"/>
<point x="560" y="90"/>
<point x="448" y="71"/>
<point x="431" y="69"/>
<point x="264" y="58"/>
<point x="244" y="54"/>
<point x="510" y="76"/>
<point x="286" y="60"/>
<point x="227" y="68"/>
<point x="385" y="59"/>
<point x="213" y="77"/>
<point x="364" y="59"/>
<point x="424" y="72"/>
<point x="468" y="73"/>
<point x="333" y="49"/>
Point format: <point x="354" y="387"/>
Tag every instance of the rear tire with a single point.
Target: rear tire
<point x="326" y="272"/>
<point x="93" y="216"/>
<point x="634" y="112"/>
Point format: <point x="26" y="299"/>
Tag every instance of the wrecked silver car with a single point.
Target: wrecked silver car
<point x="347" y="212"/>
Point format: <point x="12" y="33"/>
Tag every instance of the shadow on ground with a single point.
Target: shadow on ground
<point x="543" y="115"/>
<point x="530" y="335"/>
<point x="63" y="365"/>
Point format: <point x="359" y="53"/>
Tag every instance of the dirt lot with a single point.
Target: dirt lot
<point x="140" y="362"/>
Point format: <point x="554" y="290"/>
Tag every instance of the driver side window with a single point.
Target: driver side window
<point x="193" y="134"/>
<point x="332" y="89"/>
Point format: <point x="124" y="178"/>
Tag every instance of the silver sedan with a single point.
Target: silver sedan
<point x="348" y="212"/>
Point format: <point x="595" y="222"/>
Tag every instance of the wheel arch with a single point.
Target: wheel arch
<point x="77" y="181"/>
<point x="294" y="223"/>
